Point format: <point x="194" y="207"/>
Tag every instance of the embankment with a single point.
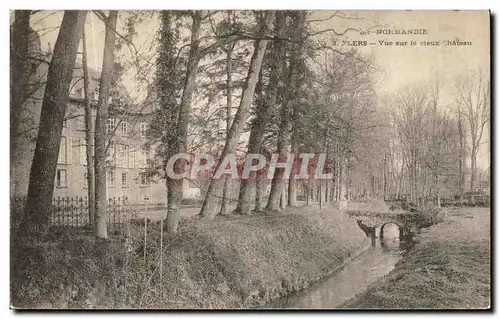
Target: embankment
<point x="449" y="268"/>
<point x="228" y="262"/>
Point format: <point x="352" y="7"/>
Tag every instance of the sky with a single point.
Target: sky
<point x="398" y="66"/>
<point x="404" y="65"/>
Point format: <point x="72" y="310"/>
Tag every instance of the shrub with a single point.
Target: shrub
<point x="429" y="215"/>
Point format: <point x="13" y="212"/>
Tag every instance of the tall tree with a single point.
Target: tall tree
<point x="19" y="75"/>
<point x="179" y="140"/>
<point x="284" y="134"/>
<point x="410" y="117"/>
<point x="211" y="202"/>
<point x="226" y="194"/>
<point x="264" y="107"/>
<point x="441" y="151"/>
<point x="474" y="98"/>
<point x="463" y="147"/>
<point x="19" y="65"/>
<point x="169" y="85"/>
<point x="101" y="125"/>
<point x="89" y="131"/>
<point x="298" y="39"/>
<point x="55" y="101"/>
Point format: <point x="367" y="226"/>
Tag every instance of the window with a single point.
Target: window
<point x="34" y="67"/>
<point x="84" y="180"/>
<point x="124" y="157"/>
<point x="131" y="159"/>
<point x="124" y="179"/>
<point x="143" y="128"/>
<point x="110" y="127"/>
<point x="110" y="156"/>
<point x="146" y="198"/>
<point x="123" y="127"/>
<point x="94" y="114"/>
<point x="145" y="153"/>
<point x="63" y="151"/>
<point x="61" y="178"/>
<point x="82" y="145"/>
<point x="144" y="179"/>
<point x="111" y="179"/>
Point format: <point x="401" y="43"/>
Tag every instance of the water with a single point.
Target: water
<point x="375" y="262"/>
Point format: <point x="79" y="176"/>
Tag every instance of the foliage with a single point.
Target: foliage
<point x="429" y="214"/>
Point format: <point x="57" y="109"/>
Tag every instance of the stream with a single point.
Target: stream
<point x="355" y="277"/>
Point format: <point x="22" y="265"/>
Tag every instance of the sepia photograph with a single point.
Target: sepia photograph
<point x="250" y="160"/>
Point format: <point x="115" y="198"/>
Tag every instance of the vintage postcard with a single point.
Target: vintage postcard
<point x="259" y="159"/>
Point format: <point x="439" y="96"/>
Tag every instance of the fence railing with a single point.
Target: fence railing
<point x="74" y="212"/>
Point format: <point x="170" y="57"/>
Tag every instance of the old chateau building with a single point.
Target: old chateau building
<point x="129" y="159"/>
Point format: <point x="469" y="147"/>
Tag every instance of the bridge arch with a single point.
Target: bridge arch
<point x="387" y="223"/>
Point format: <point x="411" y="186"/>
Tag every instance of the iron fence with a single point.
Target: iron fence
<point x="73" y="212"/>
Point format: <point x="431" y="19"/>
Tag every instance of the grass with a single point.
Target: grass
<point x="449" y="268"/>
<point x="229" y="262"/>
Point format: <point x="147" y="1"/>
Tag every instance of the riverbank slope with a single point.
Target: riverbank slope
<point x="449" y="267"/>
<point x="229" y="262"/>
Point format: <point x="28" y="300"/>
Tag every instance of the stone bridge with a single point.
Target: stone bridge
<point x="407" y="222"/>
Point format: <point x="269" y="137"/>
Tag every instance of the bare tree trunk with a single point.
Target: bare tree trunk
<point x="438" y="198"/>
<point x="211" y="201"/>
<point x="244" y="206"/>
<point x="55" y="101"/>
<point x="473" y="168"/>
<point x="174" y="186"/>
<point x="264" y="107"/>
<point x="296" y="110"/>
<point x="327" y="194"/>
<point x="331" y="191"/>
<point x="292" y="191"/>
<point x="89" y="129"/>
<point x="461" y="160"/>
<point x="385" y="176"/>
<point x="307" y="191"/>
<point x="100" y="129"/>
<point x="338" y="171"/>
<point x="283" y="198"/>
<point x="343" y="182"/>
<point x="260" y="188"/>
<point x="19" y="77"/>
<point x="227" y="183"/>
<point x="319" y="194"/>
<point x="19" y="65"/>
<point x="278" y="182"/>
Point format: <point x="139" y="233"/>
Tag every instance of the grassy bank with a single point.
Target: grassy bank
<point x="449" y="267"/>
<point x="229" y="262"/>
